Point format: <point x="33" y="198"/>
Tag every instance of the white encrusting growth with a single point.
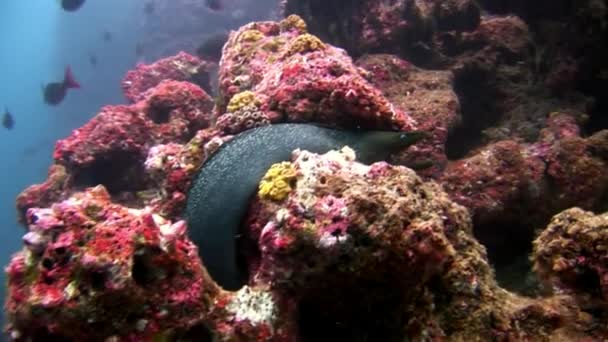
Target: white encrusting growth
<point x="254" y="305"/>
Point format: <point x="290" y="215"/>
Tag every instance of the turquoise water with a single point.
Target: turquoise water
<point x="37" y="41"/>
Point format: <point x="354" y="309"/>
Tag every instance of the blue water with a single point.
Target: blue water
<point x="37" y="41"/>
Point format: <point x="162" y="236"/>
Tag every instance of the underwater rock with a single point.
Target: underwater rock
<point x="181" y="67"/>
<point x="493" y="180"/>
<point x="111" y="149"/>
<point x="434" y="34"/>
<point x="374" y="251"/>
<point x="569" y="255"/>
<point x="502" y="85"/>
<point x="242" y="119"/>
<point x="429" y="33"/>
<point x="91" y="269"/>
<point x="514" y="62"/>
<point x="44" y="194"/>
<point x="566" y="32"/>
<point x="425" y="95"/>
<point x="177" y="109"/>
<point x="170" y="112"/>
<point x="171" y="168"/>
<point x="513" y="188"/>
<point x="293" y="76"/>
<point x="371" y="247"/>
<point x="104" y="270"/>
<point x="510" y="181"/>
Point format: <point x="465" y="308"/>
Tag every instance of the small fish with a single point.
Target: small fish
<point x="93" y="59"/>
<point x="55" y="92"/>
<point x="214" y="5"/>
<point x="107" y="36"/>
<point x="149" y="8"/>
<point x="71" y="5"/>
<point x="7" y="119"/>
<point x="211" y="48"/>
<point x="139" y="49"/>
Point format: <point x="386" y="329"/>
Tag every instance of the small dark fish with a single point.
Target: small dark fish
<point x="93" y="59"/>
<point x="139" y="50"/>
<point x="214" y="5"/>
<point x="7" y="119"/>
<point x="55" y="92"/>
<point x="71" y="5"/>
<point x="107" y="36"/>
<point x="211" y="48"/>
<point x="149" y="8"/>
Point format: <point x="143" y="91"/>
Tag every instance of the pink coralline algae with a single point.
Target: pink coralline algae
<point x="292" y="76"/>
<point x="172" y="166"/>
<point x="499" y="182"/>
<point x="171" y="111"/>
<point x="95" y="270"/>
<point x="181" y="67"/>
<point x="92" y="270"/>
<point x="46" y="193"/>
<point x="112" y="148"/>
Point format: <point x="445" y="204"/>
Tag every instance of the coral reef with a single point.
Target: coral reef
<point x="507" y="180"/>
<point x="361" y="226"/>
<point x="425" y="95"/>
<point x="181" y="67"/>
<point x="112" y="148"/>
<point x="336" y="249"/>
<point x="291" y="76"/>
<point x="511" y="64"/>
<point x="570" y="257"/>
<point x="92" y="270"/>
<point x="332" y="249"/>
<point x="53" y="189"/>
<point x="507" y="68"/>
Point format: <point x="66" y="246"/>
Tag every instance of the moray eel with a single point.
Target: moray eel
<point x="219" y="197"/>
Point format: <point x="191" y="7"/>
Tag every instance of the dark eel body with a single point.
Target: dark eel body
<point x="220" y="194"/>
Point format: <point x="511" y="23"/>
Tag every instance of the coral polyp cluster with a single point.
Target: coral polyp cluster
<point x="276" y="182"/>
